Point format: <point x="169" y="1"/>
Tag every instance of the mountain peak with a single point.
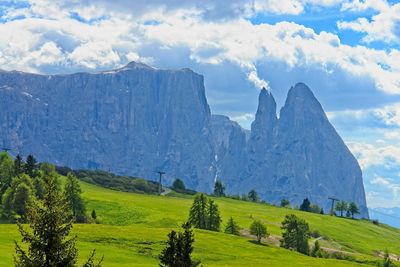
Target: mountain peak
<point x="137" y="65"/>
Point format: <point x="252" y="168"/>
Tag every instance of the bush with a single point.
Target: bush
<point x="315" y="234"/>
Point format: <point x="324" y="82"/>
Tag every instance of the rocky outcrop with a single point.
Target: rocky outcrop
<point x="138" y="119"/>
<point x="133" y="120"/>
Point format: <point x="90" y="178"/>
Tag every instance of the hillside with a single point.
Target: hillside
<point x="134" y="226"/>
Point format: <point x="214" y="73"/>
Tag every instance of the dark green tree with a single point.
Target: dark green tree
<point x="219" y="189"/>
<point x="22" y="197"/>
<point x="6" y="172"/>
<point x="75" y="202"/>
<point x="213" y="217"/>
<point x="285" y="203"/>
<point x="348" y="214"/>
<point x="94" y="215"/>
<point x="253" y="196"/>
<point x="178" y="185"/>
<point x="232" y="227"/>
<point x="305" y="206"/>
<point x="341" y="206"/>
<point x="38" y="186"/>
<point x="17" y="197"/>
<point x="30" y="166"/>
<point x="47" y="244"/>
<point x="179" y="248"/>
<point x="353" y="209"/>
<point x="198" y="212"/>
<point x="295" y="234"/>
<point x="18" y="165"/>
<point x="258" y="229"/>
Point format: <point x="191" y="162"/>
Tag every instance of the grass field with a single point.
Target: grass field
<point x="133" y="230"/>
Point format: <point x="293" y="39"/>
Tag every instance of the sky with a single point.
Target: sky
<point x="346" y="51"/>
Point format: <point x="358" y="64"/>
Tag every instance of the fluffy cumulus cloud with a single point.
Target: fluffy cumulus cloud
<point x="238" y="46"/>
<point x="384" y="26"/>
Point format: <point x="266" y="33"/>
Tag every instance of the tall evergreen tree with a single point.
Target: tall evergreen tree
<point x="219" y="189"/>
<point x="306" y="205"/>
<point x="341" y="206"/>
<point x="47" y="245"/>
<point x="295" y="234"/>
<point x="75" y="202"/>
<point x="18" y="165"/>
<point x="198" y="212"/>
<point x="179" y="248"/>
<point x="178" y="185"/>
<point x="213" y="217"/>
<point x="253" y="196"/>
<point x="232" y="227"/>
<point x="30" y="166"/>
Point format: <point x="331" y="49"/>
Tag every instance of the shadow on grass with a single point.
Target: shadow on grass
<point x="260" y="244"/>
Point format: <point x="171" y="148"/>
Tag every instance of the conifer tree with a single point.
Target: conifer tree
<point x="213" y="217"/>
<point x="30" y="166"/>
<point x="75" y="202"/>
<point x="198" y="212"/>
<point x="179" y="248"/>
<point x="47" y="244"/>
<point x="94" y="215"/>
<point x="306" y="205"/>
<point x="219" y="189"/>
<point x="18" y="165"/>
<point x="232" y="227"/>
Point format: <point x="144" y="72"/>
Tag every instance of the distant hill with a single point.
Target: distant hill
<point x="137" y="119"/>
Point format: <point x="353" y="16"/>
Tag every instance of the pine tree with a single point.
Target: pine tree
<point x="30" y="166"/>
<point x="232" y="227"/>
<point x="198" y="212"/>
<point x="75" y="202"/>
<point x="18" y="165"/>
<point x="253" y="196"/>
<point x="213" y="217"/>
<point x="306" y="205"/>
<point x="258" y="229"/>
<point x="295" y="234"/>
<point x="219" y="189"/>
<point x="179" y="248"/>
<point x="47" y="245"/>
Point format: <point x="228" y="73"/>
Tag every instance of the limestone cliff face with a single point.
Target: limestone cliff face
<point x="134" y="120"/>
<point x="307" y="158"/>
<point x="137" y="119"/>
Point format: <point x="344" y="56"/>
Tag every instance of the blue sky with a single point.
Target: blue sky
<point x="347" y="51"/>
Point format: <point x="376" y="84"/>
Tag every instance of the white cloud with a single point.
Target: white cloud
<point x="385" y="26"/>
<point x="375" y="154"/>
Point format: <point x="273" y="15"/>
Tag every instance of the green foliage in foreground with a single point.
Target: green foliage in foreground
<point x="134" y="226"/>
<point x="295" y="234"/>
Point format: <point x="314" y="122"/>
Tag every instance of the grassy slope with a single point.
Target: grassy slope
<point x="134" y="227"/>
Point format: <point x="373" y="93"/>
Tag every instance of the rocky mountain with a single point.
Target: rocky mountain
<point x="138" y="119"/>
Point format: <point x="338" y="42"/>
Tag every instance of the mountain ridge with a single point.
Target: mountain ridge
<point x="144" y="119"/>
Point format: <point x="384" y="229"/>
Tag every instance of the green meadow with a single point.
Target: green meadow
<point x="133" y="229"/>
